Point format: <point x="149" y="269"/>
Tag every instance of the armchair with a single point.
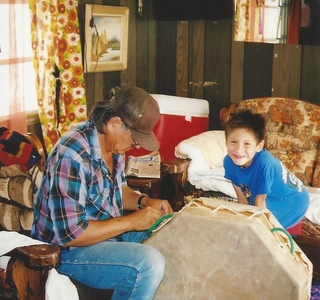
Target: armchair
<point x="26" y="269"/>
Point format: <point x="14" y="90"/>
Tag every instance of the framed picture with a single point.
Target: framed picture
<point x="106" y="38"/>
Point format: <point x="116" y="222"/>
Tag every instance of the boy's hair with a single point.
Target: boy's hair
<point x="246" y="119"/>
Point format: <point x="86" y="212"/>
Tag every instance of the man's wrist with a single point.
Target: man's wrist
<point x="139" y="201"/>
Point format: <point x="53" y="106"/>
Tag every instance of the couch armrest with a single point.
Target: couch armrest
<point x="38" y="256"/>
<point x="28" y="269"/>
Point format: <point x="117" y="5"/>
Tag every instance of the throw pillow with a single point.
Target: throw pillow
<point x="15" y="218"/>
<point x="15" y="148"/>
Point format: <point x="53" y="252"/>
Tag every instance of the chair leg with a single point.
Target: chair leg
<point x="29" y="283"/>
<point x="179" y="182"/>
<point x="178" y="170"/>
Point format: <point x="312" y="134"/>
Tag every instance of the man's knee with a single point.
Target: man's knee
<point x="156" y="261"/>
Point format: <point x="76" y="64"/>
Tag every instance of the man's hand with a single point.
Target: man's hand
<point x="143" y="219"/>
<point x="153" y="209"/>
<point x="163" y="206"/>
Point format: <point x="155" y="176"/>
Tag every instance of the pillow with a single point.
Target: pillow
<point x="207" y="147"/>
<point x="15" y="148"/>
<point x="15" y="218"/>
<point x="18" y="189"/>
<point x="206" y="151"/>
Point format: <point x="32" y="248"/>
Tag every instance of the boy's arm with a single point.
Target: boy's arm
<point x="241" y="198"/>
<point x="260" y="200"/>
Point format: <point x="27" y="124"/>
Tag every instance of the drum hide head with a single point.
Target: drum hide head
<point x="226" y="251"/>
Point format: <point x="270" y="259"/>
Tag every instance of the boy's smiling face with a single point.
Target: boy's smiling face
<point x="242" y="145"/>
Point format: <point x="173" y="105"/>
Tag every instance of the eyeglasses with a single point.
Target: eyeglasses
<point x="135" y="143"/>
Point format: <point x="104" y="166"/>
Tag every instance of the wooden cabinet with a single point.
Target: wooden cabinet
<point x="170" y="186"/>
<point x="149" y="186"/>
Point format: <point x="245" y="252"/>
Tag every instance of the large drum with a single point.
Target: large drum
<point x="219" y="250"/>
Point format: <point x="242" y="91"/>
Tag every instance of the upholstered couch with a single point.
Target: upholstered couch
<point x="293" y="135"/>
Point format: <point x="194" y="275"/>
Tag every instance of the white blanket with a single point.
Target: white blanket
<point x="206" y="171"/>
<point x="58" y="287"/>
<point x="313" y="212"/>
<point x="206" y="151"/>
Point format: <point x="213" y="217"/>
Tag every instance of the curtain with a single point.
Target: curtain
<point x="247" y="21"/>
<point x="261" y="21"/>
<point x="294" y="22"/>
<point x="241" y="20"/>
<point x="14" y="57"/>
<point x="58" y="65"/>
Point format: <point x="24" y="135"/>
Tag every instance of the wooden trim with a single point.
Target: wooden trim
<point x="237" y="61"/>
<point x="286" y="68"/>
<point x="197" y="39"/>
<point x="182" y="58"/>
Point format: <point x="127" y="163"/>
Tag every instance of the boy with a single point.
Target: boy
<point x="257" y="176"/>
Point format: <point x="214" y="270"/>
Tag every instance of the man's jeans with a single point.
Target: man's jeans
<point x="132" y="269"/>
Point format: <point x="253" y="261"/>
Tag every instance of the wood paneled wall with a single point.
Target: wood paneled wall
<point x="193" y="60"/>
<point x="310" y="74"/>
<point x="210" y="65"/>
<point x="199" y="59"/>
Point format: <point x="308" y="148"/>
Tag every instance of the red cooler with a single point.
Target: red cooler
<point x="180" y="118"/>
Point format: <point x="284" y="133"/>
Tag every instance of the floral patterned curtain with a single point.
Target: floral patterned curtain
<point x="248" y="23"/>
<point x="58" y="66"/>
<point x="241" y="20"/>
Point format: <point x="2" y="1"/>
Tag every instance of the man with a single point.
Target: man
<point x="83" y="194"/>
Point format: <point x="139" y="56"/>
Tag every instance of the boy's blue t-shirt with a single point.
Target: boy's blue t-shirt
<point x="287" y="197"/>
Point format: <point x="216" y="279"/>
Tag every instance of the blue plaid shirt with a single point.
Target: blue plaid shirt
<point x="76" y="187"/>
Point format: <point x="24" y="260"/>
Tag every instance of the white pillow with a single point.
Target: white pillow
<point x="206" y="151"/>
<point x="211" y="144"/>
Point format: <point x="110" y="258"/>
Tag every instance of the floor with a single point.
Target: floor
<point x="90" y="294"/>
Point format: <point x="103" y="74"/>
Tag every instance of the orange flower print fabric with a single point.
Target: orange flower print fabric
<point x="56" y="42"/>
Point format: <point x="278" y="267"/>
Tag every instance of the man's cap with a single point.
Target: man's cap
<point x="140" y="112"/>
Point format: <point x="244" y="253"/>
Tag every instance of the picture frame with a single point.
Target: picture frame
<point x="106" y="38"/>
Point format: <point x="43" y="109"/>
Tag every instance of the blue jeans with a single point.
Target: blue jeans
<point x="132" y="269"/>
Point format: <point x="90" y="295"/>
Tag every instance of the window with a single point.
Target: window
<point x="274" y="21"/>
<point x="261" y="20"/>
<point x="16" y="66"/>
